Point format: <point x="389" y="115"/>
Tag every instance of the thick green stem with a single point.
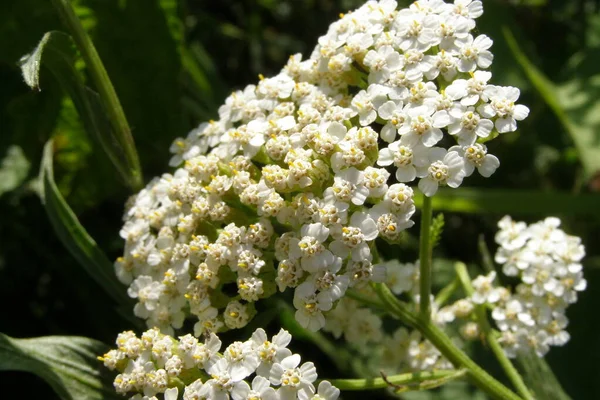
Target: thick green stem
<point x="444" y="344"/>
<point x="412" y="380"/>
<point x="425" y="259"/>
<point x="490" y="336"/>
<point x="105" y="89"/>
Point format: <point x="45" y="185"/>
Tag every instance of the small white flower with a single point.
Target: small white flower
<point x="270" y="352"/>
<point x="502" y="105"/>
<point x="485" y="292"/>
<point x="474" y="53"/>
<point x="381" y="63"/>
<point x="348" y="187"/>
<point x="469" y="126"/>
<point x="476" y="156"/>
<point x="405" y="159"/>
<point x="328" y="282"/>
<point x="294" y="379"/>
<point x="447" y="168"/>
<point x="242" y="360"/>
<point x="395" y="115"/>
<point x="261" y="390"/>
<point x="325" y="391"/>
<point x="310" y="248"/>
<point x="367" y="102"/>
<point x="353" y="239"/>
<point x="310" y="306"/>
<point x="424" y="126"/>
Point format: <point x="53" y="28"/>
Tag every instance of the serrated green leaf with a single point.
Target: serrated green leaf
<point x="539" y="377"/>
<point x="67" y="363"/>
<point x="519" y="202"/>
<point x="74" y="236"/>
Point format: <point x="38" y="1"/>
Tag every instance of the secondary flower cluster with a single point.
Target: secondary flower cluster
<point x="320" y="156"/>
<point x="547" y="261"/>
<point x="155" y="363"/>
<point x="531" y="316"/>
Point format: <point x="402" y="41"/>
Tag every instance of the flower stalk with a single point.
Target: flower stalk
<point x="490" y="336"/>
<point x="425" y="259"/>
<point x="401" y="382"/>
<point x="444" y="344"/>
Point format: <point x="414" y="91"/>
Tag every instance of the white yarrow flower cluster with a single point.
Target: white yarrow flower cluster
<point x="156" y="364"/>
<point x="548" y="263"/>
<point x="321" y="157"/>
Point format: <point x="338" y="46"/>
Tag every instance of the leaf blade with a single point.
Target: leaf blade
<point x="56" y="51"/>
<point x="67" y="364"/>
<point x="518" y="202"/>
<point x="74" y="236"/>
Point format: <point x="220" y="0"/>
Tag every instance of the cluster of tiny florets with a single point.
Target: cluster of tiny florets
<point x="548" y="263"/>
<point x="155" y="363"/>
<point x="300" y="174"/>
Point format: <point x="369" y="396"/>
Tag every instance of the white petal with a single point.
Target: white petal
<point x="520" y="112"/>
<point x="388" y="133"/>
<point x="337" y="130"/>
<point x="482" y="42"/>
<point x="369" y="229"/>
<point x="484" y="128"/>
<point x="507" y="124"/>
<point x="486" y="110"/>
<point x="431" y="137"/>
<point x="385" y="157"/>
<point x="428" y="186"/>
<point x="489" y="165"/>
<point x="171" y="394"/>
<point x="457" y="90"/>
<point x="485" y="59"/>
<point x="441" y="119"/>
<point x="339" y="249"/>
<point x="406" y="174"/>
<point x="361" y="252"/>
<point x="360" y="195"/>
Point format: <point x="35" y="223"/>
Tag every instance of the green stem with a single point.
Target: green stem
<point x="365" y="299"/>
<point x="490" y="336"/>
<point x="106" y="91"/>
<point x="418" y="379"/>
<point x="486" y="257"/>
<point x="444" y="344"/>
<point x="425" y="259"/>
<point x="444" y="295"/>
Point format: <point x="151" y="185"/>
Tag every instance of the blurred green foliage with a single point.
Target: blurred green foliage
<point x="172" y="63"/>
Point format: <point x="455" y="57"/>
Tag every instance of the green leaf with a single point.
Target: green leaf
<point x="517" y="202"/>
<point x="13" y="169"/>
<point x="73" y="235"/>
<point x="107" y="97"/>
<point x="134" y="39"/>
<point x="539" y="377"/>
<point x="575" y="104"/>
<point x="57" y="52"/>
<point x="67" y="363"/>
<point x="436" y="229"/>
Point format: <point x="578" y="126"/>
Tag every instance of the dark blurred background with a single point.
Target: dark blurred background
<point x="172" y="64"/>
